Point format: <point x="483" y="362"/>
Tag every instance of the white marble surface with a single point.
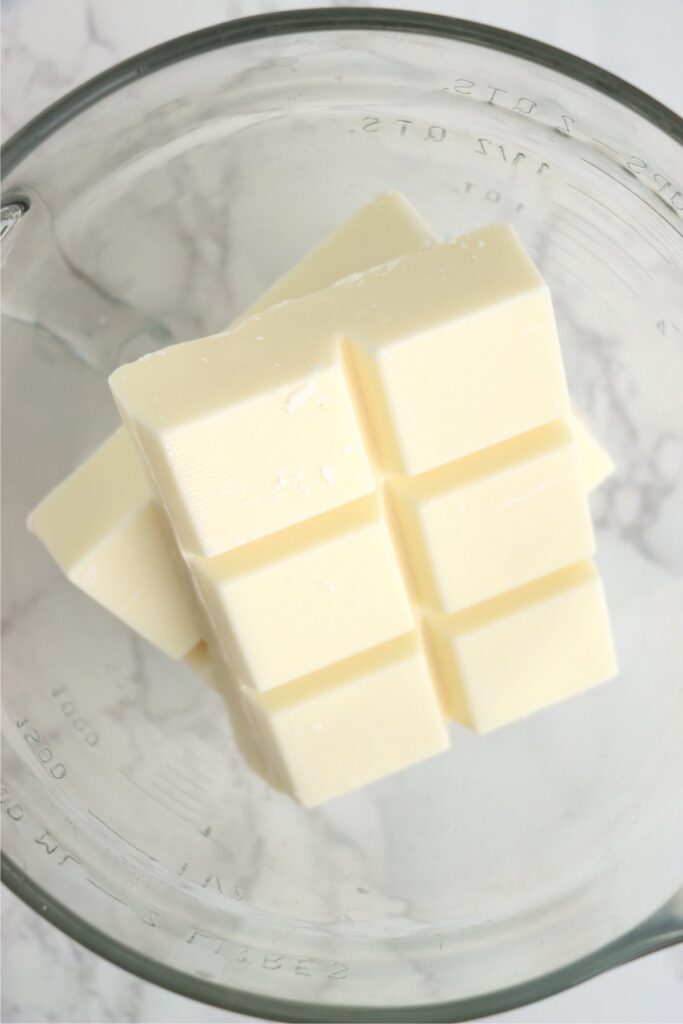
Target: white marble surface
<point x="49" y="46"/>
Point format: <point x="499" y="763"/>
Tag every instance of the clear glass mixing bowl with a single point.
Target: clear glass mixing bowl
<point x="152" y="205"/>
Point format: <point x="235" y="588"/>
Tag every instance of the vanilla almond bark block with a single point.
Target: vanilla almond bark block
<point x="111" y="539"/>
<point x="381" y="561"/>
<point x="381" y="230"/>
<point x="295" y="599"/>
<point x="102" y="524"/>
<point x="240" y="457"/>
<point x="596" y="462"/>
<point x="199" y="661"/>
<point x="401" y="369"/>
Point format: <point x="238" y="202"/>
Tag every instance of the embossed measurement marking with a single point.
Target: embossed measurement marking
<point x="493" y="95"/>
<point x="42" y="751"/>
<point x="51" y="846"/>
<point x="177" y="796"/>
<point x="552" y="257"/>
<point x="13" y="809"/>
<point x="629" y="224"/>
<point x="604" y="265"/>
<point x="435" y="133"/>
<point x="107" y="892"/>
<point x="489" y="148"/>
<point x="43" y="838"/>
<point x="588" y="233"/>
<point x="198" y="783"/>
<point x="155" y="799"/>
<point x="268" y="960"/>
<point x="640" y="199"/>
<point x="119" y="836"/>
<point x="79" y="724"/>
<point x="226" y="888"/>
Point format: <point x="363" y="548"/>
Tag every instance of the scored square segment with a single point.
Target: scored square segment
<point x="324" y="590"/>
<point x="494" y="520"/>
<point x="354" y="722"/>
<point x="523" y="650"/>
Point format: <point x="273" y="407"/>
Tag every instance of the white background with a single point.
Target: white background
<point x="48" y="47"/>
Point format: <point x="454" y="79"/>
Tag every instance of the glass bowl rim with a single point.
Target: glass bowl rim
<point x="663" y="930"/>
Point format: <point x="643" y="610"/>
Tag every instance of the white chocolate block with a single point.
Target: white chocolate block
<point x="206" y="661"/>
<point x="353" y="723"/>
<point x="110" y="539"/>
<point x="525" y="650"/>
<point x="382" y="230"/>
<point x="434" y="356"/>
<point x="596" y="462"/>
<point x="495" y="520"/>
<point x="108" y="495"/>
<point x="199" y="662"/>
<point x="316" y="593"/>
<point x="323" y="657"/>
